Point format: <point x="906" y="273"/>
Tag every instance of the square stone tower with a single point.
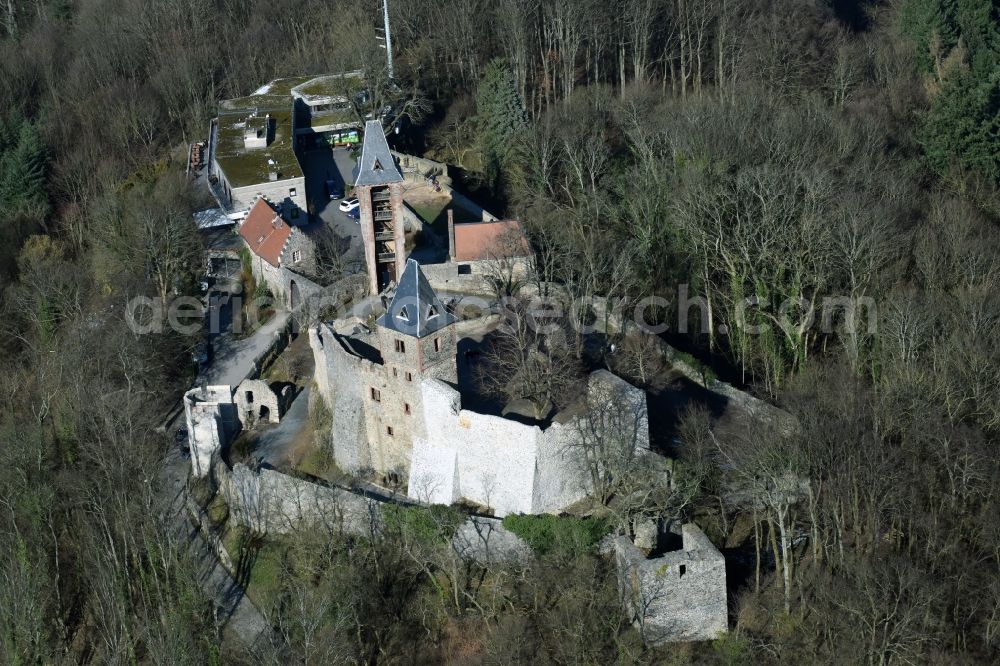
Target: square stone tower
<point x="417" y="340"/>
<point x="416" y="333"/>
<point x="379" y="189"/>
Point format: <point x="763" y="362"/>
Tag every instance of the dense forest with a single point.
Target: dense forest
<point x="763" y="151"/>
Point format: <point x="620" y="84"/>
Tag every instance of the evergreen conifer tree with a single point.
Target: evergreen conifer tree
<point x="500" y="116"/>
<point x="23" y="165"/>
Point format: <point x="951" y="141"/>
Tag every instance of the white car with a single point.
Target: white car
<point x="347" y="205"/>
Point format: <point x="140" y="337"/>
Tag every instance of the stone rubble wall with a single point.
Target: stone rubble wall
<point x="339" y="380"/>
<point x="679" y="596"/>
<point x="418" y="169"/>
<point x="483" y="458"/>
<point x="269" y="502"/>
<point x="444" y="277"/>
<point x="211" y="420"/>
<point x="249" y="408"/>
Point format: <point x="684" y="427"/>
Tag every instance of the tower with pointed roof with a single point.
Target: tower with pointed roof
<point x="417" y="333"/>
<point x="379" y="189"/>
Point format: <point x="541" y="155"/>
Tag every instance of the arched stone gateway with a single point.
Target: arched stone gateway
<point x="257" y="403"/>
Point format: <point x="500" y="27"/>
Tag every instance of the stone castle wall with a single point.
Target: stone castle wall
<point x="269" y="502"/>
<point x="339" y="378"/>
<point x="679" y="596"/>
<point x="385" y="419"/>
<point x="211" y="418"/>
<point x="376" y="406"/>
<point x="508" y="466"/>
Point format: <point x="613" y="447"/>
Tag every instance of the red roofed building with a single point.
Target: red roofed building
<point x="282" y="254"/>
<point x="478" y="241"/>
<point x="265" y="232"/>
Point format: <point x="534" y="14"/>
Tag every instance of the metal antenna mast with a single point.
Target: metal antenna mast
<point x="388" y="38"/>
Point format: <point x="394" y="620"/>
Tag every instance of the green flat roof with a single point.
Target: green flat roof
<point x="330" y="85"/>
<point x="245" y="167"/>
<point x="249" y="166"/>
<point x="334" y="118"/>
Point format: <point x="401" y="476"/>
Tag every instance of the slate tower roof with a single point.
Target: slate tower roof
<point x="415" y="309"/>
<point x="376" y="166"/>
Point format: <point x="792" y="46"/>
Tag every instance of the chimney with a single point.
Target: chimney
<point x="451" y="234"/>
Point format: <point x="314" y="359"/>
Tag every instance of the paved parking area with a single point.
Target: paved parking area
<point x="323" y="164"/>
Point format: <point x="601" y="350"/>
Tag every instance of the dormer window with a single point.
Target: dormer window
<point x="431" y="312"/>
<point x="403" y="314"/>
<point x="260" y="240"/>
<point x="377" y="166"/>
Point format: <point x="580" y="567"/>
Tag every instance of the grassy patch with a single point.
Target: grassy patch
<point x="560" y="536"/>
<point x="436" y="523"/>
<point x="265" y="577"/>
<point x="433" y="213"/>
<point x="320" y="464"/>
<point x="259" y="564"/>
<point x="217" y="511"/>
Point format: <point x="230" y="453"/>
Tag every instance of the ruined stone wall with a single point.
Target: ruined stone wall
<point x="257" y="403"/>
<point x="506" y="465"/>
<point x="679" y="596"/>
<point x="339" y="377"/>
<point x="445" y="277"/>
<point x="269" y="502"/>
<point x="211" y="419"/>
<point x="418" y="169"/>
<point x="486" y="459"/>
<point x="560" y="478"/>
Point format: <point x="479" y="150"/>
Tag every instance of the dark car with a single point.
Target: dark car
<point x="355" y="214"/>
<point x="334" y="190"/>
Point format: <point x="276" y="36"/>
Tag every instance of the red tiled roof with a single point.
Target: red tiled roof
<point x="481" y="240"/>
<point x="265" y="232"/>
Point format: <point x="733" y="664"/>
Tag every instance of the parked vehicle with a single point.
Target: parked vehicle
<point x="355" y="214"/>
<point x="334" y="190"/>
<point x="347" y="205"/>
